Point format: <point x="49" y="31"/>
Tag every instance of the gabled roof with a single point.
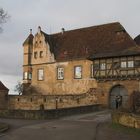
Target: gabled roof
<point x="103" y="40"/>
<point x="106" y="40"/>
<point x="3" y="87"/>
<point x="137" y="40"/>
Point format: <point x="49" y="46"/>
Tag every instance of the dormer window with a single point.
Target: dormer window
<point x="120" y="31"/>
<point x="35" y="55"/>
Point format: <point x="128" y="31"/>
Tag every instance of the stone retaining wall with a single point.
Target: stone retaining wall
<point x="47" y="102"/>
<point x="126" y="119"/>
<point x="47" y="114"/>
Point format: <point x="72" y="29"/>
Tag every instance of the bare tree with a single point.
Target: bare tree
<point x="3" y="17"/>
<point x="19" y="88"/>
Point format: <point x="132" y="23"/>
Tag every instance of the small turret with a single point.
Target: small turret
<point x="28" y="48"/>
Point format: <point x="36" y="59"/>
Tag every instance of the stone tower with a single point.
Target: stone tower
<point x="27" y="68"/>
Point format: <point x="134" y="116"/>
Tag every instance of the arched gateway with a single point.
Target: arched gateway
<point x="118" y="97"/>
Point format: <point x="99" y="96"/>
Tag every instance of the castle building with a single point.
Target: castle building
<point x="80" y="67"/>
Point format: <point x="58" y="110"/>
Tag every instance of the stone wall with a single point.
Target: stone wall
<point x="3" y="99"/>
<point x="47" y="114"/>
<point x="126" y="119"/>
<point x="48" y="102"/>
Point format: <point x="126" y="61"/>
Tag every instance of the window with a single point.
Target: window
<point x="130" y="64"/>
<point x="60" y="73"/>
<point x="123" y="64"/>
<point x="30" y="76"/>
<point x="25" y="77"/>
<point x="41" y="54"/>
<point x="35" y="55"/>
<point x="77" y="72"/>
<point x="103" y="66"/>
<point x="40" y="74"/>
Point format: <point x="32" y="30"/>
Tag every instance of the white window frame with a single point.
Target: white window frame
<point x="130" y="64"/>
<point x="123" y="64"/>
<point x="78" y="72"/>
<point x="60" y="73"/>
<point x="40" y="74"/>
<point x="25" y="75"/>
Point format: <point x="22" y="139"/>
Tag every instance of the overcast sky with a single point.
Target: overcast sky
<point x="52" y="15"/>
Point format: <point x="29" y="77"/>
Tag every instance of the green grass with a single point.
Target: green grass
<point x="124" y="129"/>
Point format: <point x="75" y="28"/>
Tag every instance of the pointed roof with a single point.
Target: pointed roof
<point x="3" y="87"/>
<point x="29" y="40"/>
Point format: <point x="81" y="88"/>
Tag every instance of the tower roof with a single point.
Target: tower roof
<point x="29" y="40"/>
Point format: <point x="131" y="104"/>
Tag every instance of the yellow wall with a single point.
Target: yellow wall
<point x="69" y="85"/>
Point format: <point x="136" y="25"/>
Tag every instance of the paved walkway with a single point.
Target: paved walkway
<point x="92" y="126"/>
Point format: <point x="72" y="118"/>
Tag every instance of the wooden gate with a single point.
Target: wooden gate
<point x="118" y="92"/>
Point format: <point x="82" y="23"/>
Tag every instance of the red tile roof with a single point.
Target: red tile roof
<point x="103" y="40"/>
<point x="3" y="87"/>
<point x="87" y="42"/>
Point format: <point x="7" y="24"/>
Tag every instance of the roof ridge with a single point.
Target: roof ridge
<point x="95" y="26"/>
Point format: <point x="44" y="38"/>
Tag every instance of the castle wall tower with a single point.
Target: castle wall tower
<point x="27" y="68"/>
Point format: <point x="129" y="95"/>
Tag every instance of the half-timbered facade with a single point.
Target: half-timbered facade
<point x="121" y="68"/>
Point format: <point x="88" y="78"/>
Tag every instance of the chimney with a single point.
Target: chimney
<point x="39" y="29"/>
<point x="63" y="30"/>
